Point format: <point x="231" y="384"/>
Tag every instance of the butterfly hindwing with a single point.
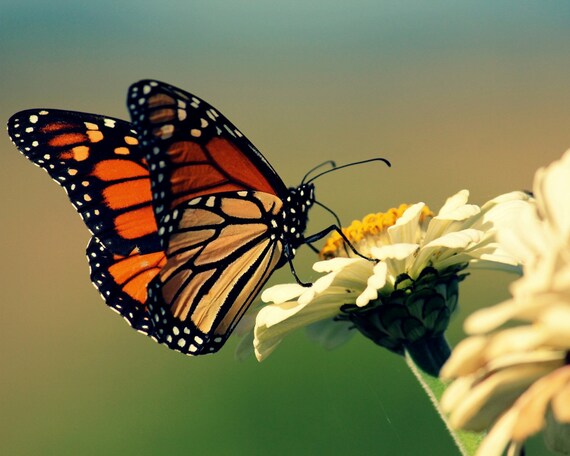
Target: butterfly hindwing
<point x="221" y="250"/>
<point x="97" y="160"/>
<point x="122" y="281"/>
<point x="192" y="149"/>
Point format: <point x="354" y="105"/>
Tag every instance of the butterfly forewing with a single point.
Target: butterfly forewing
<point x="192" y="149"/>
<point x="221" y="251"/>
<point x="97" y="161"/>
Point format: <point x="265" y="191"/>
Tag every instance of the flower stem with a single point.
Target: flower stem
<point x="467" y="442"/>
<point x="429" y="354"/>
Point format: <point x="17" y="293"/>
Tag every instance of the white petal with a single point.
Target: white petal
<point x="395" y="251"/>
<point x="488" y="398"/>
<point x="524" y="237"/>
<point x="501" y="211"/>
<point x="448" y="250"/>
<point x="398" y="257"/>
<point x="352" y="278"/>
<point x="465" y="358"/>
<point x="334" y="264"/>
<point x="552" y="187"/>
<point x="456" y="392"/>
<point x="461" y="213"/>
<point x="282" y="292"/>
<point x="407" y="230"/>
<point x="321" y="284"/>
<point x="547" y="274"/>
<point x="310" y="293"/>
<point x="490" y="318"/>
<point x="457" y="240"/>
<point x="506" y="198"/>
<point x="273" y="314"/>
<point x="375" y="283"/>
<point x="275" y="321"/>
<point x="453" y="202"/>
<point x="452" y="217"/>
<point x="557" y="317"/>
<point x="498" y="438"/>
<point x="369" y="294"/>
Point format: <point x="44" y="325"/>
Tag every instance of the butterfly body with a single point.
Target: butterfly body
<point x="189" y="220"/>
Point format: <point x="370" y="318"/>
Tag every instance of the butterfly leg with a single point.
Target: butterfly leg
<point x="313" y="248"/>
<point x="317" y="251"/>
<point x="288" y="253"/>
<point x="321" y="234"/>
<point x="299" y="281"/>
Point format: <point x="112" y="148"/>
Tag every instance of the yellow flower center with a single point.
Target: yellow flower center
<point x="370" y="230"/>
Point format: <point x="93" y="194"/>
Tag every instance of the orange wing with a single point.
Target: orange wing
<point x="98" y="162"/>
<point x="193" y="150"/>
<point x="123" y="280"/>
<point x="221" y="251"/>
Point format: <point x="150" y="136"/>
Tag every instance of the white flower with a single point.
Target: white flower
<point x="407" y="295"/>
<point x="516" y="380"/>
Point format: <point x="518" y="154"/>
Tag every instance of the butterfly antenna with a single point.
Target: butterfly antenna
<point x="346" y="166"/>
<point x="328" y="162"/>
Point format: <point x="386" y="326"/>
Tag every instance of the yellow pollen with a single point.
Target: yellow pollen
<point x="371" y="225"/>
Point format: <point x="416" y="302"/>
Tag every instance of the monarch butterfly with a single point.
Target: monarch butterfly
<point x="189" y="220"/>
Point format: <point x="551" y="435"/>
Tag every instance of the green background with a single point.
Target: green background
<point x="456" y="94"/>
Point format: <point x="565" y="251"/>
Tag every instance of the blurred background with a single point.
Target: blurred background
<point x="456" y="94"/>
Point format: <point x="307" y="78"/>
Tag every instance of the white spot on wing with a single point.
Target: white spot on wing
<point x="229" y="130"/>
